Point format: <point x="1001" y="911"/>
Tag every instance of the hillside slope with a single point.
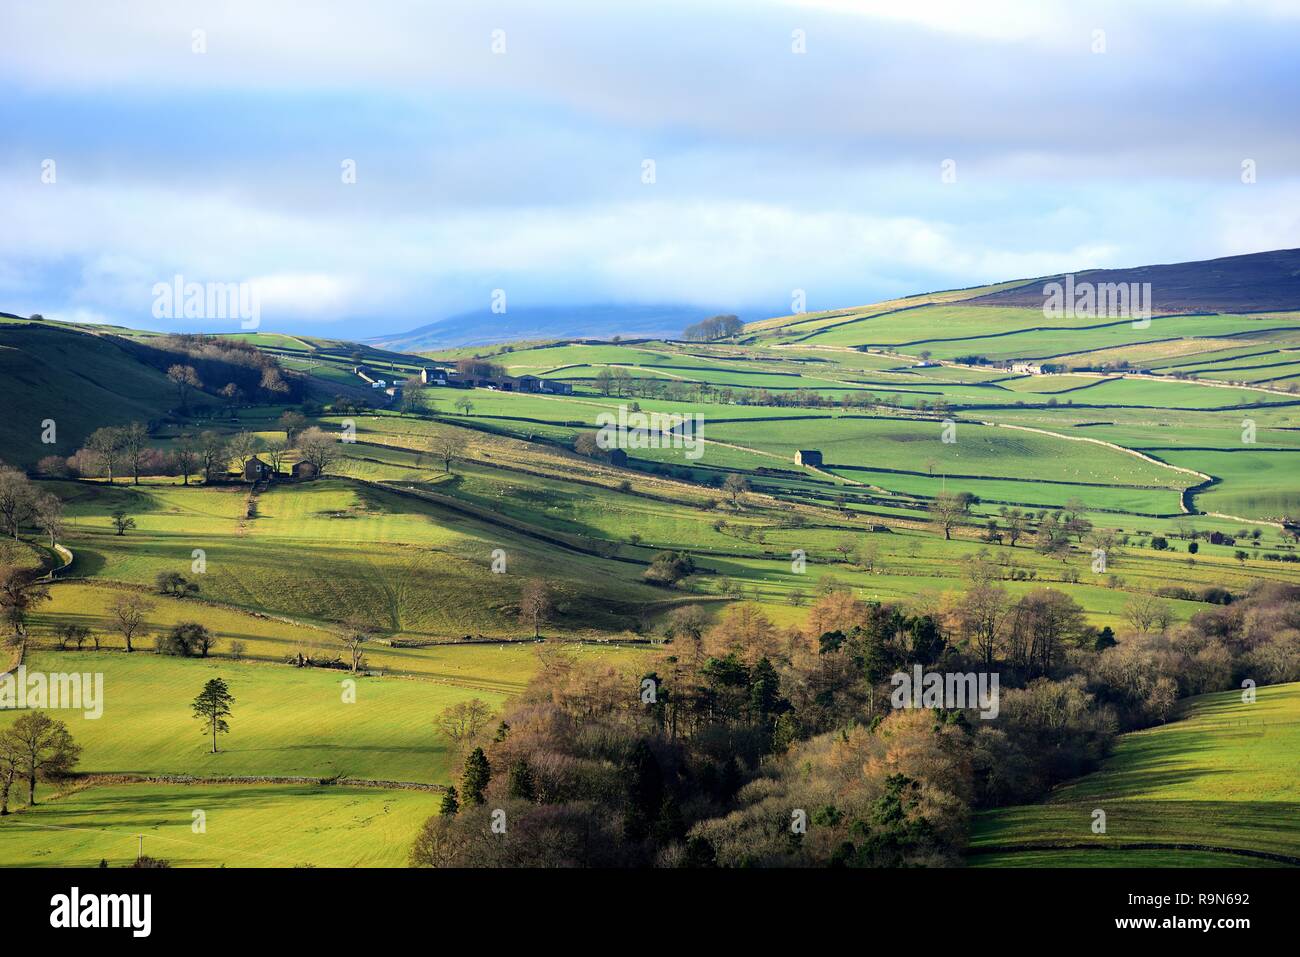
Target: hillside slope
<point x="1221" y="782"/>
<point x="79" y="380"/>
<point x="1256" y="282"/>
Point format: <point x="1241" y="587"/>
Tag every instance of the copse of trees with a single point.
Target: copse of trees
<point x="187" y="639"/>
<point x="715" y="327"/>
<point x="701" y="759"/>
<point x="669" y="567"/>
<point x="477" y="368"/>
<point x="124" y="451"/>
<point x="195" y="362"/>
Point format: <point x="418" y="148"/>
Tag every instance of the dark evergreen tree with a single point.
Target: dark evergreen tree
<point x="450" y="806"/>
<point x="643" y="784"/>
<point x="521" y="783"/>
<point x="474" y="782"/>
<point x="212" y="707"/>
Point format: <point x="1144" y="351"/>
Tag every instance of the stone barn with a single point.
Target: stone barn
<point x="808" y="457"/>
<point x="255" y="470"/>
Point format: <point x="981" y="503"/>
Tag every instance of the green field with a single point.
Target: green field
<point x="247" y="825"/>
<point x="393" y="536"/>
<point x="287" y="721"/>
<point x="407" y="564"/>
<point x="1222" y="777"/>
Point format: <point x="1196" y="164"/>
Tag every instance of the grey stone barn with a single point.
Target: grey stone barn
<point x="808" y="457"/>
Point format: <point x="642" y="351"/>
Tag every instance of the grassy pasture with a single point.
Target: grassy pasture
<point x="802" y="323"/>
<point x="247" y="825"/>
<point x="499" y="668"/>
<point x="287" y="721"/>
<point x="1255" y="484"/>
<point x="1223" y="776"/>
<point x="917" y="445"/>
<point x="1076" y="344"/>
<point x="406" y="564"/>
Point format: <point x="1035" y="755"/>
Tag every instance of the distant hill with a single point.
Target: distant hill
<point x="482" y="326"/>
<point x="1256" y="282"/>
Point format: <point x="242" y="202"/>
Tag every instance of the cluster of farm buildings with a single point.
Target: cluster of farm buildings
<point x="439" y="376"/>
<point x="450" y="378"/>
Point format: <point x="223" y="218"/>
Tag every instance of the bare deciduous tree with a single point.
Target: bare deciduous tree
<point x="43" y="746"/>
<point x="356" y="631"/>
<point x="135" y="448"/>
<point x="20" y="592"/>
<point x="463" y="722"/>
<point x="448" y="445"/>
<point x="1145" y="612"/>
<point x="947" y="510"/>
<point x="535" y="604"/>
<point x="129" y="614"/>
<point x="185" y="379"/>
<point x="47" y="509"/>
<point x="735" y="486"/>
<point x="319" y="448"/>
<point x="186" y="454"/>
<point x="214" y="454"/>
<point x="16" y="499"/>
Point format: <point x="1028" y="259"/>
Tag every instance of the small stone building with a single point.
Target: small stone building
<point x="302" y="471"/>
<point x="255" y="470"/>
<point x="618" y="457"/>
<point x="808" y="457"/>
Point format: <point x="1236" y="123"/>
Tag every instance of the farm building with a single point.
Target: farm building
<point x="808" y="457"/>
<point x="532" y="383"/>
<point x="618" y="457"/>
<point x="255" y="470"/>
<point x="434" y="376"/>
<point x="303" y="471"/>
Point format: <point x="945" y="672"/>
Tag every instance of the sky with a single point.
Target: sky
<point x="370" y="167"/>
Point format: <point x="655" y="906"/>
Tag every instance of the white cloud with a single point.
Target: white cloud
<point x="86" y="316"/>
<point x="1254" y="219"/>
<point x="480" y="171"/>
<point x="990" y="19"/>
<point x="304" y="295"/>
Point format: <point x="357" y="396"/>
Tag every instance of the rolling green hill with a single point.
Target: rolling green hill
<point x="1219" y="782"/>
<point x="1201" y="443"/>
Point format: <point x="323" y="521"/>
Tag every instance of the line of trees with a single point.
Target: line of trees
<point x="124" y="451"/>
<point x="22" y="504"/>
